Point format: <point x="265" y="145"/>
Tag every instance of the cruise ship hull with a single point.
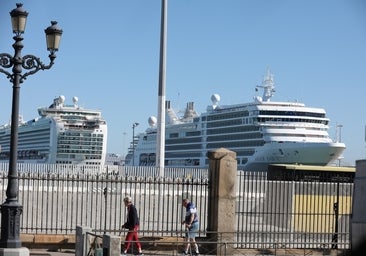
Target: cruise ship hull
<point x="310" y="153"/>
<point x="320" y="154"/>
<point x="261" y="132"/>
<point x="62" y="134"/>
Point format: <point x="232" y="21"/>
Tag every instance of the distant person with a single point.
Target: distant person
<point x="192" y="226"/>
<point x="132" y="224"/>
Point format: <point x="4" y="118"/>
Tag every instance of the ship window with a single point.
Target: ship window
<point x="182" y="141"/>
<point x="297" y="120"/>
<point x="225" y="116"/>
<point x="235" y="129"/>
<point x="244" y="160"/>
<point x="173" y="135"/>
<point x="196" y="133"/>
<point x="235" y="144"/>
<point x="224" y="123"/>
<point x="234" y="137"/>
<point x="291" y="113"/>
<point x="183" y="147"/>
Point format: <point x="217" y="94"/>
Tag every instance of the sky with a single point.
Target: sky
<point x="109" y="59"/>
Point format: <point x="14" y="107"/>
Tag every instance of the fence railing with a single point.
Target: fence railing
<point x="298" y="214"/>
<point x="294" y="214"/>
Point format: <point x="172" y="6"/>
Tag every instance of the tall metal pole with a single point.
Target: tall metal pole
<point x="133" y="145"/>
<point x="336" y="217"/>
<point x="124" y="145"/>
<point x="133" y="142"/>
<point x="339" y="139"/>
<point x="11" y="209"/>
<point x="105" y="192"/>
<point x="160" y="154"/>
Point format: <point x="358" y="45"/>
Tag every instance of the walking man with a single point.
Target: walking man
<point x="192" y="226"/>
<point x="132" y="224"/>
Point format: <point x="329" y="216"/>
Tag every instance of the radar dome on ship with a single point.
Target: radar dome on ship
<point x="152" y="121"/>
<point x="61" y="98"/>
<point x="215" y="98"/>
<point x="75" y="99"/>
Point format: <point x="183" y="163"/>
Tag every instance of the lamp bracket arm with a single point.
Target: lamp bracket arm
<point x="34" y="64"/>
<point x="6" y="61"/>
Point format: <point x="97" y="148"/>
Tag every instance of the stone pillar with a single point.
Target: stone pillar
<point x="221" y="226"/>
<point x="81" y="245"/>
<point x="358" y="219"/>
<point x="111" y="245"/>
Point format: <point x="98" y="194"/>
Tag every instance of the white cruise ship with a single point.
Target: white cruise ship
<point x="261" y="132"/>
<point x="62" y="134"/>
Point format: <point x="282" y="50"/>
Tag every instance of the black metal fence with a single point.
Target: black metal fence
<point x="294" y="214"/>
<point x="270" y="213"/>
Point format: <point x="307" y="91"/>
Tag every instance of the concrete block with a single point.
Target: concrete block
<point x="14" y="251"/>
<point x="112" y="245"/>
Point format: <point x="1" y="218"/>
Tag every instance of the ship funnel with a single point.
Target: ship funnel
<point x="189" y="113"/>
<point x="171" y="116"/>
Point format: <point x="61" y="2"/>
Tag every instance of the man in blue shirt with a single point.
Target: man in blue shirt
<point x="192" y="226"/>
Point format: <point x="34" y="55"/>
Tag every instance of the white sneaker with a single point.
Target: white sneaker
<point x="196" y="251"/>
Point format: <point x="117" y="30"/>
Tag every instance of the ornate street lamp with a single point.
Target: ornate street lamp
<point x="133" y="142"/>
<point x="11" y="209"/>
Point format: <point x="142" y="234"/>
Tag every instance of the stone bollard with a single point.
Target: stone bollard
<point x="221" y="201"/>
<point x="111" y="245"/>
<point x="81" y="245"/>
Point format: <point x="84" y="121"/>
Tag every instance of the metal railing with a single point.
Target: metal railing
<point x="270" y="213"/>
<point x="93" y="243"/>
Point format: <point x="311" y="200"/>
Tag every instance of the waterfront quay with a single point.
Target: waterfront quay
<point x="271" y="217"/>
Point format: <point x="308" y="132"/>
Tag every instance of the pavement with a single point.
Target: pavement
<point x="170" y="246"/>
<point x="47" y="252"/>
<point x="64" y="245"/>
<point x="246" y="252"/>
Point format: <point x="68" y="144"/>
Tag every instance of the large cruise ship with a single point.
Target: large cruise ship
<point x="62" y="134"/>
<point x="261" y="132"/>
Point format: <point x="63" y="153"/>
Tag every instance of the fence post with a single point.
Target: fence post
<point x="221" y="201"/>
<point x="358" y="218"/>
<point x="81" y="246"/>
<point x="111" y="245"/>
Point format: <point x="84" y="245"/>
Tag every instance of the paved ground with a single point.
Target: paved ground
<point x="173" y="246"/>
<point x="46" y="252"/>
<point x="70" y="252"/>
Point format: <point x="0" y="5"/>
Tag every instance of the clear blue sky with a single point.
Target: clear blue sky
<point x="109" y="58"/>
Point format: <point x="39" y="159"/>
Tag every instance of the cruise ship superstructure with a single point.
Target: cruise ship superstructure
<point x="261" y="132"/>
<point x="62" y="134"/>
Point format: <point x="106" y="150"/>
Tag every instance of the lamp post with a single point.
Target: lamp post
<point x="124" y="144"/>
<point x="11" y="209"/>
<point x="133" y="142"/>
<point x="339" y="132"/>
<point x="339" y="139"/>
